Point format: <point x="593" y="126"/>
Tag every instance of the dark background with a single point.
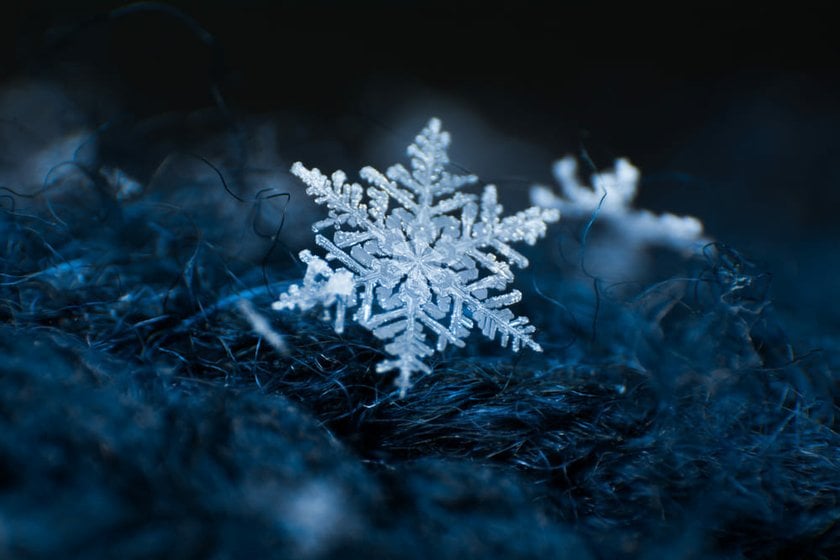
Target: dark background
<point x="731" y="114"/>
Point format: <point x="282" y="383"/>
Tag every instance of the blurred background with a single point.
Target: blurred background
<point x="731" y="115"/>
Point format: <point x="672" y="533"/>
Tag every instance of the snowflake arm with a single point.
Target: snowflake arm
<point x="321" y="286"/>
<point x="417" y="257"/>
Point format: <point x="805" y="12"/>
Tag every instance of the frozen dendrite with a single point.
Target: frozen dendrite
<point x="416" y="256"/>
<point x="612" y="194"/>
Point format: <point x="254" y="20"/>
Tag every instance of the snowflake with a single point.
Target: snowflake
<point x="611" y="195"/>
<point x="425" y="265"/>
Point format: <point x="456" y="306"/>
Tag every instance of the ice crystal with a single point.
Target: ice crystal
<point x="416" y="257"/>
<point x="611" y="195"/>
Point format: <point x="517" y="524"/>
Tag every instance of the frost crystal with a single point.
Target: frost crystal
<point x="612" y="194"/>
<point x="417" y="257"/>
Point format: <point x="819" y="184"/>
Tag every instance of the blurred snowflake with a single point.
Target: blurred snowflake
<point x="427" y="264"/>
<point x="611" y="197"/>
